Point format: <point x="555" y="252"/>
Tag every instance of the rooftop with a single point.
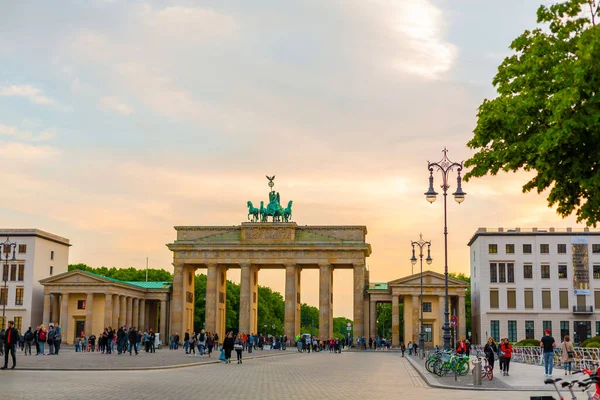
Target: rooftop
<point x="533" y="232"/>
<point x="143" y="285"/>
<point x="34" y="232"/>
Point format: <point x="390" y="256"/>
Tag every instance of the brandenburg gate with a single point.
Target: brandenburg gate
<point x="262" y="244"/>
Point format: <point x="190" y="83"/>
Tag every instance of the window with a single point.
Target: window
<point x="526" y="249"/>
<point x="5" y="272"/>
<point x="596" y="271"/>
<point x="3" y="296"/>
<point x="510" y="249"/>
<point x="52" y="255"/>
<point x="528" y="298"/>
<point x="493" y="273"/>
<point x="596" y="248"/>
<point x="427" y="336"/>
<point x="510" y="272"/>
<point x="512" y="331"/>
<point x="495" y="330"/>
<point x="51" y="270"/>
<point x="546" y="325"/>
<point x="502" y="272"/>
<point x="561" y="248"/>
<point x="22" y="248"/>
<point x="597" y="328"/>
<point x="564" y="299"/>
<point x="529" y="330"/>
<point x="562" y="272"/>
<point x="426" y="306"/>
<point x="544" y="248"/>
<point x="13" y="272"/>
<point x="597" y="299"/>
<point x="546" y="299"/>
<point x="81" y="304"/>
<point x="527" y="271"/>
<point x="19" y="296"/>
<point x="494" y="299"/>
<point x="511" y="299"/>
<point x="564" y="328"/>
<point x="493" y="248"/>
<point x="545" y="268"/>
<point x="18" y="323"/>
<point x="21" y="274"/>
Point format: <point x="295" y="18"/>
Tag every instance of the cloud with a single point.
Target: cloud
<point x="23" y="152"/>
<point x="27" y="136"/>
<point x="112" y="104"/>
<point x="30" y="92"/>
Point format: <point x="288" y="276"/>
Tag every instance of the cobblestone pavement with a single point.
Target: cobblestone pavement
<point x="297" y="376"/>
<point x="71" y="360"/>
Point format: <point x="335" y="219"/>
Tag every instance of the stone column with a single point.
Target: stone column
<point x="163" y="322"/>
<point x="123" y="310"/>
<point x="116" y="308"/>
<point x="373" y="319"/>
<point x="439" y="335"/>
<point x="359" y="296"/>
<point x="64" y="317"/>
<point x="178" y="300"/>
<point x="408" y="322"/>
<point x="462" y="321"/>
<point x="46" y="312"/>
<point x="292" y="301"/>
<point x="216" y="297"/>
<point x="135" y="314"/>
<point x="89" y="313"/>
<point x="142" y="315"/>
<point x="396" y="320"/>
<point x="55" y="317"/>
<point x="108" y="310"/>
<point x="248" y="298"/>
<point x="415" y="314"/>
<point x="129" y="311"/>
<point x="325" y="301"/>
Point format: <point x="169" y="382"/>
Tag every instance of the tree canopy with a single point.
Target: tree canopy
<point x="546" y="117"/>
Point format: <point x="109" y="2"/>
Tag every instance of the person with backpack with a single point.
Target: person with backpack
<point x="42" y="335"/>
<point x="28" y="337"/>
<point x="201" y="342"/>
<point x="133" y="338"/>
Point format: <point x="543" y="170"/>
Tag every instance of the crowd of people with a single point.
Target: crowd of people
<point x="124" y="340"/>
<point x="36" y="339"/>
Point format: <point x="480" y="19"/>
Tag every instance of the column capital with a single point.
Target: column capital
<point x="324" y="265"/>
<point x="359" y="263"/>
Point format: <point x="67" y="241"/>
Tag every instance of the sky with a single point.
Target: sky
<point x="120" y="120"/>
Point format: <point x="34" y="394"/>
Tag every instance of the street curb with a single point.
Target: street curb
<point x="176" y="366"/>
<point x="440" y="386"/>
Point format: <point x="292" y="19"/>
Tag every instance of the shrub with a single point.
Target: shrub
<point x="528" y="342"/>
<point x="593" y="344"/>
<point x="595" y="339"/>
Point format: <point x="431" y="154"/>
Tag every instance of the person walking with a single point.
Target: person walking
<point x="567" y="354"/>
<point x="410" y="347"/>
<point x="238" y="345"/>
<point x="201" y="342"/>
<point x="548" y="344"/>
<point x="505" y="355"/>
<point x="11" y="338"/>
<point x="228" y="343"/>
<point x="490" y="351"/>
<point x="402" y="348"/>
<point x="28" y="336"/>
<point x="210" y="343"/>
<point x="186" y="341"/>
<point x="133" y="337"/>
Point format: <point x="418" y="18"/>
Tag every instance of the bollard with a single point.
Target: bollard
<point x="476" y="373"/>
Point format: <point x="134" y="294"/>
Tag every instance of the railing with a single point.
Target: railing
<point x="583" y="309"/>
<point x="583" y="358"/>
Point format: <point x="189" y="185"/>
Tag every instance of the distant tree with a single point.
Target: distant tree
<point x="340" y="330"/>
<point x="546" y="117"/>
<point x="126" y="274"/>
<point x="384" y="319"/>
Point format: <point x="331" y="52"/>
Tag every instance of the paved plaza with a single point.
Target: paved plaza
<point x="350" y="375"/>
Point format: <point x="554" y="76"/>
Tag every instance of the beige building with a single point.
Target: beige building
<point x="407" y="291"/>
<point x="37" y="254"/>
<point x="86" y="303"/>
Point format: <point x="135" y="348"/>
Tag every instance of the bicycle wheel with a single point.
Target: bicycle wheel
<point x="489" y="372"/>
<point x="429" y="365"/>
<point x="438" y="368"/>
<point x="462" y="368"/>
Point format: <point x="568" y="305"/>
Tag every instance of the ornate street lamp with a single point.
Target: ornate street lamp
<point x="6" y="250"/>
<point x="445" y="166"/>
<point x="421" y="243"/>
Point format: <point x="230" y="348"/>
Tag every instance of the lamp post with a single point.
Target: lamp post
<point x="421" y="243"/>
<point x="6" y="250"/>
<point x="445" y="166"/>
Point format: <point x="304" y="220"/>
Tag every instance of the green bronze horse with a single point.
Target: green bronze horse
<point x="287" y="213"/>
<point x="252" y="211"/>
